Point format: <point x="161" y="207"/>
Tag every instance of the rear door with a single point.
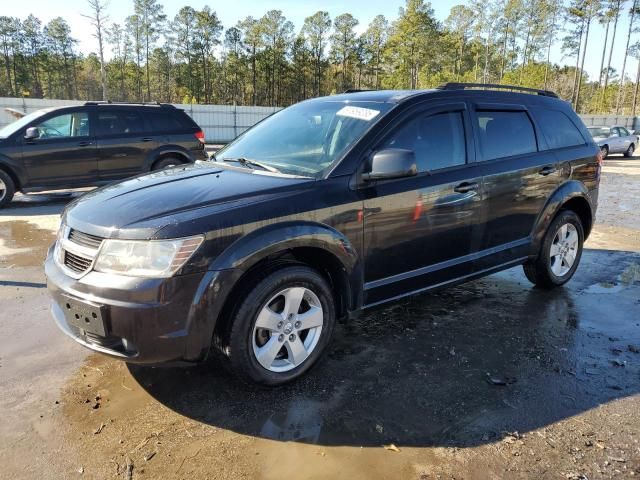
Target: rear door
<point x="421" y="231"/>
<point x="519" y="174"/>
<point x="625" y="139"/>
<point x="65" y="154"/>
<point x="124" y="142"/>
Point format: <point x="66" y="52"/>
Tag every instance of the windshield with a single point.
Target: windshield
<point x="598" y="131"/>
<point x="305" y="138"/>
<point x="22" y="122"/>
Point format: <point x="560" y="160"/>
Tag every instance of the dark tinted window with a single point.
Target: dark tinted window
<point x="165" y="121"/>
<point x="437" y="140"/>
<point x="623" y="131"/>
<point x="558" y="129"/>
<point x="503" y="134"/>
<point x="119" y="122"/>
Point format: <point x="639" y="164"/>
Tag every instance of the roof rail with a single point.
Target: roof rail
<point x="493" y="86"/>
<point x="356" y="90"/>
<point x="109" y="102"/>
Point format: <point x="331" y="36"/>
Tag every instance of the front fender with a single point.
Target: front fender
<point x="565" y="192"/>
<point x="227" y="270"/>
<point x="250" y="249"/>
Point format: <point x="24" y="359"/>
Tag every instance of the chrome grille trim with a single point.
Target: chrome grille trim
<point x="75" y="255"/>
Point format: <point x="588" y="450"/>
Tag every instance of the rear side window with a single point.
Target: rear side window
<point x="558" y="129"/>
<point x="165" y="121"/>
<point x="437" y="140"/>
<point x="119" y="122"/>
<point x="504" y="134"/>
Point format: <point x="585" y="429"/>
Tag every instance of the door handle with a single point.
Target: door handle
<point x="466" y="187"/>
<point x="548" y="170"/>
<point x="84" y="144"/>
<point x="147" y="139"/>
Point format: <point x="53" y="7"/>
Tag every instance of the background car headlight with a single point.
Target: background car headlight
<point x="146" y="258"/>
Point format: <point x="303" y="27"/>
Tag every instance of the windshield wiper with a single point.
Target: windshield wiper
<point x="245" y="162"/>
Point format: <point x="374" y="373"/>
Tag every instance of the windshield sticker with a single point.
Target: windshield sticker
<point x="359" y="113"/>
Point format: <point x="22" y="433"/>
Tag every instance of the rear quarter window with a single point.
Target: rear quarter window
<point x="505" y="134"/>
<point x="558" y="129"/>
<point x="165" y="121"/>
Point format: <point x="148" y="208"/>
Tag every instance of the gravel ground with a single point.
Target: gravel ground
<point x="491" y="379"/>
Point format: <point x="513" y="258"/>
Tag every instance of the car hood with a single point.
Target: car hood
<point x="142" y="206"/>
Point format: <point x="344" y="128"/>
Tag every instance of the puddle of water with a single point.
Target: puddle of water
<point x="627" y="277"/>
<point x="23" y="244"/>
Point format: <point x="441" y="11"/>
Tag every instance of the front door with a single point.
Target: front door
<point x="420" y="231"/>
<point x="124" y="142"/>
<point x="64" y="155"/>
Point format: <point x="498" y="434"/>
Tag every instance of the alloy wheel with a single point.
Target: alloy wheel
<point x="564" y="249"/>
<point x="3" y="190"/>
<point x="287" y="329"/>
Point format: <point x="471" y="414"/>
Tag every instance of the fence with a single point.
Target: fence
<point x="222" y="123"/>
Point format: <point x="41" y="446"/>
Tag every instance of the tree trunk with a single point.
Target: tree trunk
<point x="584" y="54"/>
<point x="604" y="53"/>
<point x="635" y="91"/>
<point x="613" y="41"/>
<point x="624" y="62"/>
<point x="575" y="77"/>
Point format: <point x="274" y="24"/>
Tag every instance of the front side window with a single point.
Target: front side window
<point x="307" y="138"/>
<point x="504" y="134"/>
<point x="558" y="129"/>
<point x="119" y="122"/>
<point x="437" y="140"/>
<point x="68" y="125"/>
<point x="623" y="131"/>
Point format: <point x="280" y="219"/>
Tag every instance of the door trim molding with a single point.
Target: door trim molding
<point x="445" y="264"/>
<point x="464" y="278"/>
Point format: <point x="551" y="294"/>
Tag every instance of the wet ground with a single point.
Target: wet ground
<point x="491" y="379"/>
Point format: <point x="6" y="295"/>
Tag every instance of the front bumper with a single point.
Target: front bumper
<point x="145" y="320"/>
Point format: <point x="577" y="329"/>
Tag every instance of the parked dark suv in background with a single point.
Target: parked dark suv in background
<point x="326" y="208"/>
<point x="93" y="144"/>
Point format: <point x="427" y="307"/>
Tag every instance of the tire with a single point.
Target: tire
<point x="166" y="163"/>
<point x="630" y="151"/>
<point x="550" y="271"/>
<point x="605" y="151"/>
<point x="267" y="356"/>
<point x="7" y="189"/>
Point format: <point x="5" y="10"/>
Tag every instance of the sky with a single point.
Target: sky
<point x="295" y="10"/>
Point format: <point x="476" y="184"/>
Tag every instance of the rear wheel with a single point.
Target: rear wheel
<point x="605" y="151"/>
<point x="281" y="327"/>
<point x="630" y="151"/>
<point x="7" y="189"/>
<point x="167" y="162"/>
<point x="560" y="252"/>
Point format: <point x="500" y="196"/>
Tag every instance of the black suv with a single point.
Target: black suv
<point x="326" y="208"/>
<point x="93" y="144"/>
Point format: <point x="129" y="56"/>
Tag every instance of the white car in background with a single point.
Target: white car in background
<point x="614" y="139"/>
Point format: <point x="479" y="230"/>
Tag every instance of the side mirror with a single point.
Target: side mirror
<point x="391" y="163"/>
<point x="32" y="133"/>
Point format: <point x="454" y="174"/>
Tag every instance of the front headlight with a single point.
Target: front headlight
<point x="146" y="258"/>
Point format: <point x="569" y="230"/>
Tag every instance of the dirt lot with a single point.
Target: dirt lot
<point x="492" y="379"/>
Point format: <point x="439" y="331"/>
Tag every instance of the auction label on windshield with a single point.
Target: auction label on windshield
<point x="360" y="113"/>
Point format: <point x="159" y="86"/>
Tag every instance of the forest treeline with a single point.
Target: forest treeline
<point x="267" y="60"/>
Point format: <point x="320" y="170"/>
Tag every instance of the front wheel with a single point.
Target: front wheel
<point x="605" y="151"/>
<point x="281" y="327"/>
<point x="560" y="252"/>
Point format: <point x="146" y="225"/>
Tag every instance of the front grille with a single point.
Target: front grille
<point x="84" y="239"/>
<point x="77" y="263"/>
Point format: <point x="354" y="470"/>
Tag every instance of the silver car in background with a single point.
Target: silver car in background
<point x="614" y="139"/>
